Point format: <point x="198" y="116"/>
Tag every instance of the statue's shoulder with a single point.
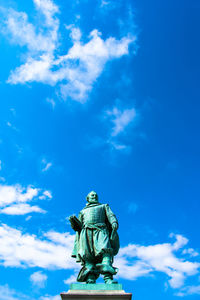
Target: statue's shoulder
<point x="105" y="205"/>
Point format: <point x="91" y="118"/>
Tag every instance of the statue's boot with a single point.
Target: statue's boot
<point x="105" y="267"/>
<point x="108" y="278"/>
<point x="92" y="272"/>
<point x="91" y="278"/>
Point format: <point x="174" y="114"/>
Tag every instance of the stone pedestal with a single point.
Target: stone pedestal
<point x="96" y="292"/>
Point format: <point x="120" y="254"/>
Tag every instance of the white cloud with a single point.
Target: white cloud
<point x="14" y="198"/>
<point x="38" y="278"/>
<point x="36" y="39"/>
<point x="75" y="32"/>
<point x="25" y="250"/>
<point x="160" y="258"/>
<point x="92" y="57"/>
<point x="59" y="238"/>
<point x="16" y="193"/>
<point x="49" y="9"/>
<point x="47" y="194"/>
<point x="75" y="72"/>
<point x="21" y="209"/>
<point x="180" y="241"/>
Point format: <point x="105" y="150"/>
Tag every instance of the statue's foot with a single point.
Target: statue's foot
<point x="110" y="281"/>
<point x="91" y="278"/>
<point x="91" y="281"/>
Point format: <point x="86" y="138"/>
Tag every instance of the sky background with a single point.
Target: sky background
<point x="100" y="95"/>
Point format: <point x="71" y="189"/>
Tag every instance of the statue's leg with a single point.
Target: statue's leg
<point x="106" y="268"/>
<point x="88" y="273"/>
<point x="108" y="276"/>
<point x="90" y="277"/>
<point x="107" y="259"/>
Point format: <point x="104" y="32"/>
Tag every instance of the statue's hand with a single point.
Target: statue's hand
<point x="75" y="223"/>
<point x="114" y="226"/>
<point x="71" y="217"/>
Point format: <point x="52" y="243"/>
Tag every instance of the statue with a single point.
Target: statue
<point x="96" y="242"/>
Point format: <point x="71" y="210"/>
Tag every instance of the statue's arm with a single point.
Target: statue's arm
<point x="111" y="217"/>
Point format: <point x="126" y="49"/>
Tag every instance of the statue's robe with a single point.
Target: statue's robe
<point x="94" y="238"/>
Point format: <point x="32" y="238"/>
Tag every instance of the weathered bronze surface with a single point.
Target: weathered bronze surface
<point x="96" y="242"/>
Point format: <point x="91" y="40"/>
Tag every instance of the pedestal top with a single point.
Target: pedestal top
<point x="96" y="287"/>
<point x="97" y="291"/>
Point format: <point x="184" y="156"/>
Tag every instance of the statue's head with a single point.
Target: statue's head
<point x="92" y="197"/>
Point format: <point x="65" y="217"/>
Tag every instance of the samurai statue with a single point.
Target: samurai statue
<point x="96" y="242"/>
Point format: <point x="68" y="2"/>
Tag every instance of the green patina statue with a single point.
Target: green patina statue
<point x="96" y="242"/>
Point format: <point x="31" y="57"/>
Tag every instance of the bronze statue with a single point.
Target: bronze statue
<point x="96" y="241"/>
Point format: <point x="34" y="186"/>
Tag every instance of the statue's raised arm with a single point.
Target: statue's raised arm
<point x="96" y="241"/>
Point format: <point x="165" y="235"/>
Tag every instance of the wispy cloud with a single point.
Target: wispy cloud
<point x="120" y="119"/>
<point x="189" y="290"/>
<point x="71" y="279"/>
<point x="51" y="102"/>
<point x="14" y="199"/>
<point x="10" y="294"/>
<point x="191" y="252"/>
<point x="75" y="72"/>
<point x="38" y="279"/>
<point x="104" y="3"/>
<point x="46" y="165"/>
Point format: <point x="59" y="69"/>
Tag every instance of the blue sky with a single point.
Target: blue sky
<point x="100" y="95"/>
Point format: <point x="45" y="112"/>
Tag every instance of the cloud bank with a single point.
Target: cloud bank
<point x="25" y="250"/>
<point x="53" y="251"/>
<point x="135" y="261"/>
